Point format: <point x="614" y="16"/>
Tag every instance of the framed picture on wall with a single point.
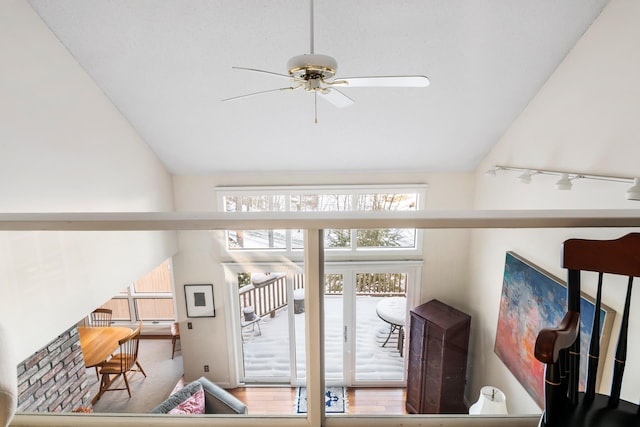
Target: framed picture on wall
<point x="199" y="300"/>
<point x="531" y="300"/>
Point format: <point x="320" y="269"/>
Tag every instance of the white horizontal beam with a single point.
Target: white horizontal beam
<point x="117" y="420"/>
<point x="326" y="220"/>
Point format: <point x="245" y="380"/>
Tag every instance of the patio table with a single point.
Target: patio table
<point x="393" y="310"/>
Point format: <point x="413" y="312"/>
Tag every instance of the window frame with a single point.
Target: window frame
<point x="131" y="295"/>
<point x="352" y="191"/>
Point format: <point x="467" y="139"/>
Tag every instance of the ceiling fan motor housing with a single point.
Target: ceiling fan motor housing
<point x="312" y="66"/>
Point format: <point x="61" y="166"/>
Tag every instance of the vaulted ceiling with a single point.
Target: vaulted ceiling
<point x="167" y="65"/>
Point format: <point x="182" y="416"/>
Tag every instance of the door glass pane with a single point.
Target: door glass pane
<point x="299" y="330"/>
<point x="264" y="327"/>
<point x="380" y="314"/>
<point x="334" y="328"/>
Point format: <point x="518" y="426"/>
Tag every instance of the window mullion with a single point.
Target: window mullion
<point x="353" y="232"/>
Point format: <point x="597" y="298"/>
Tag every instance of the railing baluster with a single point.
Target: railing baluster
<point x="594" y="346"/>
<point x="272" y="303"/>
<point x="621" y="352"/>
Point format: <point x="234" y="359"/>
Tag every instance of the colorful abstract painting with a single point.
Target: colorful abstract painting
<point x="532" y="300"/>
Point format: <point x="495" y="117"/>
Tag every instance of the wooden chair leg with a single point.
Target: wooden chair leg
<point x="104" y="381"/>
<point x="173" y="345"/>
<point x="126" y="383"/>
<point x="140" y="368"/>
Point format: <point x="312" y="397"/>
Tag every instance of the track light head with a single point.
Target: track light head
<point x="525" y="178"/>
<point x="633" y="193"/>
<point x="564" y="183"/>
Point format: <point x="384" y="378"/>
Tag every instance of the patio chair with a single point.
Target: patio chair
<point x="249" y="318"/>
<point x="560" y="348"/>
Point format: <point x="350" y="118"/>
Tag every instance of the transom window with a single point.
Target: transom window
<point x="408" y="197"/>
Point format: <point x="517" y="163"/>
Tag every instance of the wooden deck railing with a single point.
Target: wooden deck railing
<point x="381" y="284"/>
<point x="268" y="299"/>
<point x="265" y="299"/>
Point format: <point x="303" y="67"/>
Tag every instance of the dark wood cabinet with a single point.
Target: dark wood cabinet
<point x="437" y="365"/>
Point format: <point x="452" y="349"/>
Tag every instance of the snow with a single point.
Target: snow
<point x="267" y="356"/>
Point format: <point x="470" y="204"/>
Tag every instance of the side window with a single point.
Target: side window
<point x="150" y="298"/>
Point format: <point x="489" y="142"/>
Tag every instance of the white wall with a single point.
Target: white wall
<point x="585" y="119"/>
<point x="445" y="253"/>
<point x="65" y="148"/>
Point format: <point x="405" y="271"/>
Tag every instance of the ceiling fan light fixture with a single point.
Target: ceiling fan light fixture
<point x="312" y="64"/>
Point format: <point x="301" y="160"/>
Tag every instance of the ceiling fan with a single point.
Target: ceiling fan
<point x="316" y="74"/>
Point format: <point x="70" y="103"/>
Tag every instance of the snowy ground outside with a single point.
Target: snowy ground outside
<point x="267" y="356"/>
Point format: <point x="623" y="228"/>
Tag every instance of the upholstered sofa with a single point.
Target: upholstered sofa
<point x="216" y="400"/>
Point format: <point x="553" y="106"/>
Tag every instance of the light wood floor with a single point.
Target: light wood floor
<point x="361" y="401"/>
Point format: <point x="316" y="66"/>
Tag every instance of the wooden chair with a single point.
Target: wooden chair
<point x="101" y="317"/>
<point x="560" y="349"/>
<point x="121" y="363"/>
<point x="175" y="336"/>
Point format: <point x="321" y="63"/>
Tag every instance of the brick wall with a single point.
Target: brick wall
<point x="54" y="378"/>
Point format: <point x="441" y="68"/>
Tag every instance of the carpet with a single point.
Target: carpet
<point x="335" y="400"/>
<point x="162" y="375"/>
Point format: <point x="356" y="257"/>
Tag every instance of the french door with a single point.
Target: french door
<point x="372" y="348"/>
<point x="360" y="347"/>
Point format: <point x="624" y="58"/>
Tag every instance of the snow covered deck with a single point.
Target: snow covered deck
<point x="267" y="356"/>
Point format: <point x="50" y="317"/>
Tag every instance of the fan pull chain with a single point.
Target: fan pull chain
<point x="315" y="106"/>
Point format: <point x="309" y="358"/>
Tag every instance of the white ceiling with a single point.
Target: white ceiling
<point x="166" y="65"/>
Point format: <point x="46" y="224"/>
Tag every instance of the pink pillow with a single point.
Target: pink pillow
<point x="193" y="405"/>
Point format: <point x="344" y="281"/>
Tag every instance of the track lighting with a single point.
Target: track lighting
<point x="566" y="178"/>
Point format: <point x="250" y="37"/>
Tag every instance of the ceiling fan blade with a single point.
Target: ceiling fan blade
<point x="337" y="98"/>
<point x="255" y="70"/>
<point x="386" y="81"/>
<point x="257" y="93"/>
